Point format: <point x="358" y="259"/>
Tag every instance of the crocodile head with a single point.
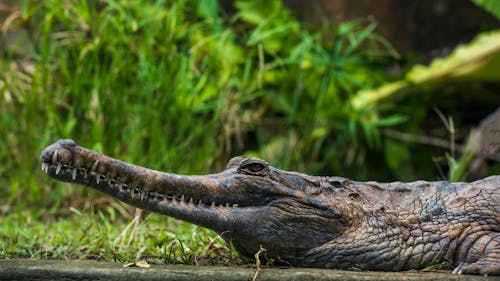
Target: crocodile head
<point x="250" y="203"/>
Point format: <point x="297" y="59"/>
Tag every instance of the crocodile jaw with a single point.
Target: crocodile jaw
<point x="195" y="199"/>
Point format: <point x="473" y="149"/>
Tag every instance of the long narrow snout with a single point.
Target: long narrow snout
<point x="196" y="199"/>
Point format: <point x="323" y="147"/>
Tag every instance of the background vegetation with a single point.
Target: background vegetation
<point x="183" y="86"/>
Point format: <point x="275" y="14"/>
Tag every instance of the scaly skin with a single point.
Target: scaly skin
<point x="309" y="221"/>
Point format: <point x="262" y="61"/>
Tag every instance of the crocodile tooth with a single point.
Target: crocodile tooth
<point x="45" y="167"/>
<point x="200" y="203"/>
<point x="94" y="166"/>
<point x="191" y="200"/>
<point x="54" y="157"/>
<point x="227" y="204"/>
<point x="182" y="198"/>
<point x="173" y="198"/>
<point x="97" y="178"/>
<point x="58" y="169"/>
<point x="213" y="204"/>
<point x="143" y="194"/>
<point x="73" y="175"/>
<point x="235" y="205"/>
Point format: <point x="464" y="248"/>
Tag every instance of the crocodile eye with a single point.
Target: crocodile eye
<point x="258" y="168"/>
<point x="254" y="167"/>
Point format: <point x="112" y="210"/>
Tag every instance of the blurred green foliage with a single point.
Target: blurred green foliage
<point x="182" y="86"/>
<point x="178" y="86"/>
<point x="478" y="60"/>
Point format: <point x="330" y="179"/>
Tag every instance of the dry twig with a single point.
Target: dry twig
<point x="258" y="262"/>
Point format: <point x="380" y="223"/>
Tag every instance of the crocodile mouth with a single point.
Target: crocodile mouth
<point x="56" y="166"/>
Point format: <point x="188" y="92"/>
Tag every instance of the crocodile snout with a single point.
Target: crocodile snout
<point x="58" y="151"/>
<point x="56" y="154"/>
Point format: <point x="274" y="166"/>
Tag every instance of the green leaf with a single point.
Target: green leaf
<point x="261" y="34"/>
<point x="492" y="6"/>
<point x="478" y="60"/>
<point x="357" y="38"/>
<point x="458" y="169"/>
<point x="391" y="120"/>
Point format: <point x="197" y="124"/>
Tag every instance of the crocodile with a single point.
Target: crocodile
<point x="309" y="221"/>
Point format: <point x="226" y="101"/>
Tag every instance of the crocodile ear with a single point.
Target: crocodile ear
<point x="354" y="196"/>
<point x="254" y="166"/>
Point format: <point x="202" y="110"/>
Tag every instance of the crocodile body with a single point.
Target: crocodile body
<point x="309" y="221"/>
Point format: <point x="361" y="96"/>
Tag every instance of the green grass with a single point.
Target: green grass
<point x="106" y="235"/>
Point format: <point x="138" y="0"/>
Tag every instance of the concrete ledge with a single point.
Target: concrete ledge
<point x="92" y="270"/>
